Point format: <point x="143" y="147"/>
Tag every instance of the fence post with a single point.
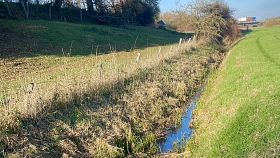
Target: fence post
<point x="159" y="50"/>
<point x="138" y="57"/>
<point x="180" y="41"/>
<point x="100" y="70"/>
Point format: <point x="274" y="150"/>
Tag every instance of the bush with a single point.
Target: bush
<point x="272" y="22"/>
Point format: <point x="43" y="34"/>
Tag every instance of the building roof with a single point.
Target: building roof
<point x="161" y="22"/>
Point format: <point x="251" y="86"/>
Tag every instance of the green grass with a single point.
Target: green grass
<point x="38" y="37"/>
<point x="238" y="114"/>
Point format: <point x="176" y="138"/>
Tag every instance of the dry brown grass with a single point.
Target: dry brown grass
<point x="115" y="110"/>
<point x="59" y="84"/>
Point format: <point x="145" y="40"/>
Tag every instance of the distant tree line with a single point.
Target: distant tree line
<point x="139" y="12"/>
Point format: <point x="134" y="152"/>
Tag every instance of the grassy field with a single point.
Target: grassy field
<point x="94" y="98"/>
<point x="239" y="114"/>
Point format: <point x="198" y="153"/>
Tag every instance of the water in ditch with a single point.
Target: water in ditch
<point x="183" y="133"/>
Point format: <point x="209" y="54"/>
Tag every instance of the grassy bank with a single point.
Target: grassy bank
<point x="238" y="114"/>
<point x="55" y="104"/>
<point x="49" y="54"/>
<point x="32" y="38"/>
<point x="121" y="116"/>
<point x="42" y="49"/>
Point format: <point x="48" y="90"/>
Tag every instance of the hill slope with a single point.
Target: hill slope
<point x="32" y="47"/>
<point x="38" y="37"/>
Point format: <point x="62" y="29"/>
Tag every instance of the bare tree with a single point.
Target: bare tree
<point x="177" y="20"/>
<point x="206" y="17"/>
<point x="90" y="6"/>
<point x="8" y="7"/>
<point x="25" y="7"/>
<point x="50" y="9"/>
<point x="57" y="8"/>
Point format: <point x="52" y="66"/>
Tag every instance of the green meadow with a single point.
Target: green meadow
<point x="238" y="114"/>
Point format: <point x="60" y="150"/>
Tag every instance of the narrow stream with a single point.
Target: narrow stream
<point x="183" y="133"/>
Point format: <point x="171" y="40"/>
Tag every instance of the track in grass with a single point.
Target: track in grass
<point x="277" y="37"/>
<point x="265" y="53"/>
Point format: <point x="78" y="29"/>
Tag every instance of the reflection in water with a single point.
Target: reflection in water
<point x="182" y="134"/>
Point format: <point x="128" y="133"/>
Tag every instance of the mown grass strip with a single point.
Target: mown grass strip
<point x="238" y="115"/>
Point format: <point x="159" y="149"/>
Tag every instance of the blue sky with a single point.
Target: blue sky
<point x="262" y="9"/>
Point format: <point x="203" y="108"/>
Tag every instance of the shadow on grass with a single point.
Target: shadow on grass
<point x="245" y="32"/>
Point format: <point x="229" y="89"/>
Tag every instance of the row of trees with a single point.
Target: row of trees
<point x="141" y="12"/>
<point x="211" y="18"/>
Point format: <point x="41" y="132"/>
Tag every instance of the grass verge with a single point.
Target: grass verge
<point x="238" y="114"/>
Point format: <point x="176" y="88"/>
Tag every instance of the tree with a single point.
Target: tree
<point x="90" y="6"/>
<point x="139" y="12"/>
<point x="176" y="20"/>
<point x="57" y="8"/>
<point x="208" y="18"/>
<point x="25" y="7"/>
<point x="8" y="8"/>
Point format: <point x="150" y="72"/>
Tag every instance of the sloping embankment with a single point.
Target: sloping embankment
<point x="120" y="119"/>
<point x="238" y="114"/>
